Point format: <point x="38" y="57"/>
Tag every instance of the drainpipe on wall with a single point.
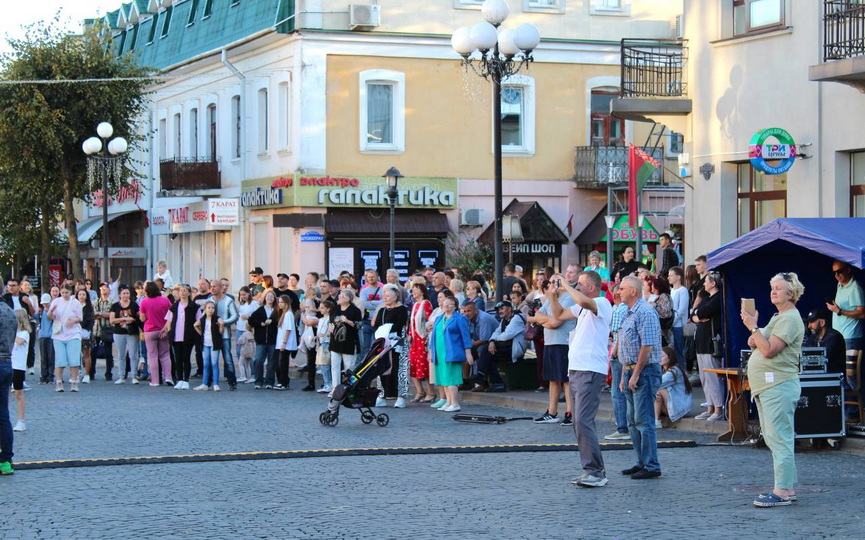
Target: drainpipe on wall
<point x="244" y="161"/>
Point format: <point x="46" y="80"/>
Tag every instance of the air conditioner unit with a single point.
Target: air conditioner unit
<point x="363" y="16"/>
<point x="679" y="27"/>
<point x="472" y="217"/>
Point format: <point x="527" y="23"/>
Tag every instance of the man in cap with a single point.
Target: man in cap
<point x="256" y="287"/>
<point x="507" y="344"/>
<point x="821" y="334"/>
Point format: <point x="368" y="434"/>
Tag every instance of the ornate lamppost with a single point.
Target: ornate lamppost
<point x="106" y="160"/>
<point x="500" y="54"/>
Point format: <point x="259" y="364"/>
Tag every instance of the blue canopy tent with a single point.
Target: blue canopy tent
<point x="806" y="246"/>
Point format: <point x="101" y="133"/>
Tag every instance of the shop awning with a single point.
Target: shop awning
<point x="425" y="223"/>
<point x="537" y="225"/>
<point x="87" y="228"/>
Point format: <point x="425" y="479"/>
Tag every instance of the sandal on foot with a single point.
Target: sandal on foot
<point x="769" y="500"/>
<point x="428" y="399"/>
<point x="417" y="398"/>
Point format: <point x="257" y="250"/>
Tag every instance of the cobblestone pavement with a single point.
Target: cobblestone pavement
<point x="705" y="492"/>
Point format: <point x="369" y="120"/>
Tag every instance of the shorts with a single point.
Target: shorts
<point x="18" y="379"/>
<point x="556" y="363"/>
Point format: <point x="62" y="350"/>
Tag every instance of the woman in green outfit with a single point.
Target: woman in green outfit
<point x="773" y="373"/>
<point x="450" y="346"/>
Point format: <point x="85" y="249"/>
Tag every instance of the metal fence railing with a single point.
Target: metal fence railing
<point x="596" y="166"/>
<point x="843" y="29"/>
<point x="653" y="68"/>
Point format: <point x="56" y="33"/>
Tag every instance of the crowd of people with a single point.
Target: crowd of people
<point x="636" y="329"/>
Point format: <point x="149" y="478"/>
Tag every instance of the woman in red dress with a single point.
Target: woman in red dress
<point x="417" y="337"/>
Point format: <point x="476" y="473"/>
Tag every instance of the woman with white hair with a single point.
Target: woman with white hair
<point x="595" y="266"/>
<point x="773" y="373"/>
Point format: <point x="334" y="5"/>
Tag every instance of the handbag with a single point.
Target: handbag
<point x="532" y="332"/>
<point x="717" y="347"/>
<point x="689" y="329"/>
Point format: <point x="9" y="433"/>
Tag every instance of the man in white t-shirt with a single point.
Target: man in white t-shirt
<point x="587" y="368"/>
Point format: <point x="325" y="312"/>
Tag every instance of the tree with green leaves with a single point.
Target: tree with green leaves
<point x="55" y="88"/>
<point x="467" y="255"/>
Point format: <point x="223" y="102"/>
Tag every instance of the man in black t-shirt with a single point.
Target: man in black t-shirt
<point x="282" y="289"/>
<point x="821" y="334"/>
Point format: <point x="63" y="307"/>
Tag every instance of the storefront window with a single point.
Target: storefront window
<point x="762" y="197"/>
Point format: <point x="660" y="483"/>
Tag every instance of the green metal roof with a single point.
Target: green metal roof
<point x="185" y="40"/>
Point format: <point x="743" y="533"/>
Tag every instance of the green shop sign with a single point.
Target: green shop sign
<point x="622" y="232"/>
<point x="347" y="192"/>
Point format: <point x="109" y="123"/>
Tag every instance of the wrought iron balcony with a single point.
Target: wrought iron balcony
<point x="843" y="29"/>
<point x="189" y="175"/>
<point x="603" y="166"/>
<point x="653" y="81"/>
<point x="654" y="69"/>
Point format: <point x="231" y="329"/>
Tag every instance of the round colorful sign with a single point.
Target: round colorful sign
<point x="784" y="151"/>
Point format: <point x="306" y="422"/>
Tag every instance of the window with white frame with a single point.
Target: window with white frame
<point x="211" y="132"/>
<point x="177" y="135"/>
<point x="193" y="133"/>
<point x="518" y="115"/>
<point x="468" y="4"/>
<point x="263" y="142"/>
<point x="382" y="111"/>
<point x="284" y="115"/>
<point x="753" y="16"/>
<point x="163" y="139"/>
<point x="609" y="7"/>
<point x="544" y="6"/>
<point x="857" y="184"/>
<point x="235" y="132"/>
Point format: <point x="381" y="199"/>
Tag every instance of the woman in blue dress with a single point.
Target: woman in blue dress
<point x="450" y="345"/>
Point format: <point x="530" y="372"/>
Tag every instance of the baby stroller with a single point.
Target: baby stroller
<point x="356" y="389"/>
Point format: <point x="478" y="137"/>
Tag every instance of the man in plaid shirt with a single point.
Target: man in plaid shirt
<point x="639" y="350"/>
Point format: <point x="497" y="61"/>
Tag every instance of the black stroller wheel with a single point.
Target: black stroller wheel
<point x="333" y="420"/>
<point x="382" y="420"/>
<point x="367" y="417"/>
<point x="323" y="417"/>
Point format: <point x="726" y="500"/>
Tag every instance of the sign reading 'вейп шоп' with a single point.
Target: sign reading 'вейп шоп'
<point x="347" y="192"/>
<point x="782" y="151"/>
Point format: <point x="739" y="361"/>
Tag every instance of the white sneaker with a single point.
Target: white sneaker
<point x="380" y="402"/>
<point x="400" y="403"/>
<point x="241" y="380"/>
<point x="443" y="408"/>
<point x="715" y="418"/>
<point x="201" y="387"/>
<point x="120" y="381"/>
<point x="26" y="386"/>
<point x="20" y="426"/>
<point x="659" y="424"/>
<point x="216" y="388"/>
<point x="179" y="385"/>
<point x="134" y="380"/>
<point x="30" y="371"/>
<point x="86" y="379"/>
<point x="453" y="408"/>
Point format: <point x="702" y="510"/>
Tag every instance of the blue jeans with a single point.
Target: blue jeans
<point x="210" y="357"/>
<point x="641" y="415"/>
<point x="228" y="360"/>
<point x="263" y="352"/>
<point x="366" y="337"/>
<point x="133" y="362"/>
<point x="6" y="436"/>
<point x="620" y="404"/>
<point x="679" y="344"/>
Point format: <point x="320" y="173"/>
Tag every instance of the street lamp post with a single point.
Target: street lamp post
<point x="105" y="159"/>
<point x="502" y="53"/>
<point x="392" y="176"/>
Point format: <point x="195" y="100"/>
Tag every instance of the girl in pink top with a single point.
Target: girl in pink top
<point x="153" y="312"/>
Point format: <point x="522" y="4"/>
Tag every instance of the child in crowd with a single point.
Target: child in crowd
<point x="286" y="342"/>
<point x="19" y="364"/>
<point x="674" y="396"/>
<point x="246" y="342"/>
<point x="322" y="358"/>
<point x="210" y="327"/>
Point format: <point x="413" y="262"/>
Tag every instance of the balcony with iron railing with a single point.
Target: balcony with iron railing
<point x="598" y="167"/>
<point x="189" y="175"/>
<point x="843" y="44"/>
<point x="653" y="75"/>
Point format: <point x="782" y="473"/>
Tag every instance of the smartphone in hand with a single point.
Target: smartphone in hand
<point x="748" y="306"/>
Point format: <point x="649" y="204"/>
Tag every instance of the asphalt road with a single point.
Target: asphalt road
<point x="705" y="492"/>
